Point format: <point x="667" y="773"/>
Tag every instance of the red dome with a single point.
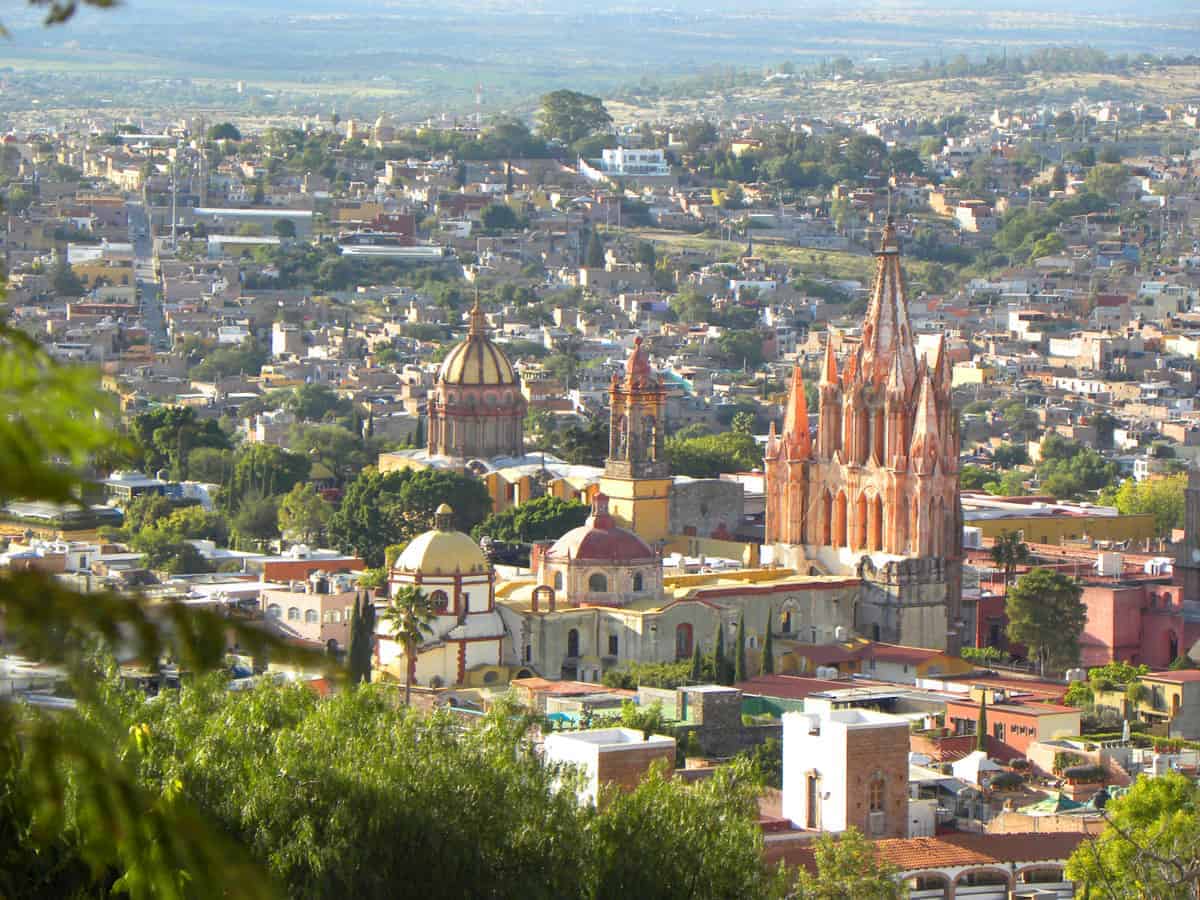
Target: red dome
<point x="600" y="539"/>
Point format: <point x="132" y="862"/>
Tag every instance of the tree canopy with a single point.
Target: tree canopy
<point x="1046" y="614"/>
<point x="379" y="509"/>
<point x="543" y="518"/>
<point x="570" y="116"/>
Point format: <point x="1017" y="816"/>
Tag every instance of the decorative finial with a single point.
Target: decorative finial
<point x="478" y="319"/>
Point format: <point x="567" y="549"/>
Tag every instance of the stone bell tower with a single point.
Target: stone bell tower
<point x="636" y="477"/>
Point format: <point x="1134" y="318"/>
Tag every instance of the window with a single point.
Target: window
<point x="274" y="611"/>
<point x="813" y="784"/>
<point x="998" y="731"/>
<point x="875" y="793"/>
<point x="573" y="643"/>
<point x="637" y="582"/>
<point x="558" y="581"/>
<point x="613" y="645"/>
<point x="598" y="583"/>
<point x="528" y="653"/>
<point x="293" y="614"/>
<point x="310" y="616"/>
<point x="439" y="601"/>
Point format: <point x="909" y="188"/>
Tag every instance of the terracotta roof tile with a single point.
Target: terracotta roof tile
<point x="963" y="849"/>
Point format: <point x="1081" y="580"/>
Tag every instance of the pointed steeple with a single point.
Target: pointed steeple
<point x="795" y="420"/>
<point x="829" y="371"/>
<point x="772" y="449"/>
<point x="886" y="331"/>
<point x="925" y="436"/>
<point x="898" y="383"/>
<point x="941" y="365"/>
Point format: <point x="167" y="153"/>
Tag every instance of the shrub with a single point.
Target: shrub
<point x="1007" y="781"/>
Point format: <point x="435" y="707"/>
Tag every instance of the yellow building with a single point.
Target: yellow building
<point x="637" y="478"/>
<point x="100" y="271"/>
<point x="1056" y="527"/>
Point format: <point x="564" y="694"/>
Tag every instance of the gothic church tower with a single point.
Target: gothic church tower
<point x="876" y="494"/>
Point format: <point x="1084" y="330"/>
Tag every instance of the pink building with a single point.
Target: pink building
<point x="316" y="611"/>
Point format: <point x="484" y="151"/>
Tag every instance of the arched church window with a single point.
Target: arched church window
<point x="648" y="431"/>
<point x="439" y="601"/>
<point x="637" y="582"/>
<point x="876" y="792"/>
<point x="558" y="581"/>
<point x="573" y="642"/>
<point x="598" y="582"/>
<point x="310" y="616"/>
<point x="274" y="611"/>
<point x="787" y="621"/>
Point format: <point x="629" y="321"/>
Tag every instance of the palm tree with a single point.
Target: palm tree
<point x="408" y="615"/>
<point x="1008" y="552"/>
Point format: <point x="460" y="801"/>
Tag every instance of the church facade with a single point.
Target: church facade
<point x="876" y="493"/>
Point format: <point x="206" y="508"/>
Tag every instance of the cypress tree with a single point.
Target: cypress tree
<point x="354" y="651"/>
<point x="697" y="664"/>
<point x="739" y="656"/>
<point x="595" y="252"/>
<point x="719" y="654"/>
<point x="981" y="725"/>
<point x="768" y="653"/>
<point x="362" y="636"/>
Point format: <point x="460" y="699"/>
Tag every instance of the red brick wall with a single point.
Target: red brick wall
<point x="300" y="569"/>
<point x="626" y="767"/>
<point x="872" y="751"/>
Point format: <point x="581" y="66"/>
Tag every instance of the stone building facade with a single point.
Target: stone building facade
<point x="876" y="493"/>
<point x="476" y="408"/>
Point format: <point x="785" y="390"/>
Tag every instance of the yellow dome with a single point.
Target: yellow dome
<point x="442" y="553"/>
<point x="476" y="360"/>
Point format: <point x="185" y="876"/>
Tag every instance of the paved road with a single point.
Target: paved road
<point x="147" y="282"/>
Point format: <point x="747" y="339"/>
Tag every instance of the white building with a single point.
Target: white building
<point x="622" y="162"/>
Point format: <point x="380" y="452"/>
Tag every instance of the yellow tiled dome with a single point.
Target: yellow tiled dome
<point x="442" y="551"/>
<point x="476" y="360"/>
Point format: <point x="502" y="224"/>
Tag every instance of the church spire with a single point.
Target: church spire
<point x="829" y="371"/>
<point x="795" y="420"/>
<point x="924" y="453"/>
<point x="886" y="331"/>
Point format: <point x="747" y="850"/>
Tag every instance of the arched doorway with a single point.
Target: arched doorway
<point x="839" y="521"/>
<point x="573" y="643"/>
<point x="683" y="640"/>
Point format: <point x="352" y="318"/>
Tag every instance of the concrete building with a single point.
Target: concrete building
<point x="846" y="768"/>
<point x="617" y="757"/>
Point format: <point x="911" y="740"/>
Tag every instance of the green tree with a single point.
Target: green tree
<point x="63" y="279"/>
<point x="73" y="816"/>
<point x="594" y="257"/>
<point x="1008" y="552"/>
<point x="1106" y="180"/>
<point x="408" y="618"/>
<point x="981" y="725"/>
<point x="1161" y="497"/>
<point x="361" y="645"/>
<point x="498" y="217"/>
<point x="1047" y="615"/>
<point x="711" y="455"/>
<point x="257" y="519"/>
<point x="739" y="658"/>
<point x="634" y="856"/>
<point x="847" y="866"/>
<point x="722" y="670"/>
<point x="265" y="470"/>
<point x="543" y="518"/>
<point x="303" y="513"/>
<point x="767" y="666"/>
<point x="569" y="116"/>
<point x="167" y="436"/>
<point x="743" y="422"/>
<point x="697" y="672"/>
<point x="1150" y="846"/>
<point x="224" y="131"/>
<point x="283" y="228"/>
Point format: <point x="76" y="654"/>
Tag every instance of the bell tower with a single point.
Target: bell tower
<point x="636" y="477"/>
